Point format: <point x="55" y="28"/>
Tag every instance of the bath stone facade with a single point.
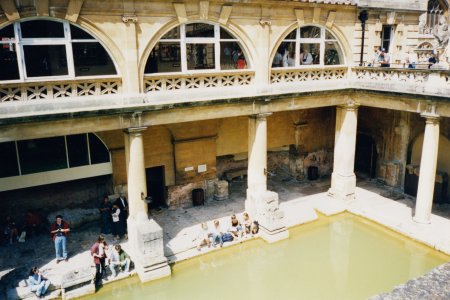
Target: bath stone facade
<point x="160" y="98"/>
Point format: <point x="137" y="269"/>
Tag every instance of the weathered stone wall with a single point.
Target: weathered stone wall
<point x="83" y="193"/>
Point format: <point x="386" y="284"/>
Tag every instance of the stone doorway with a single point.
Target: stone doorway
<point x="365" y="156"/>
<point x="156" y="186"/>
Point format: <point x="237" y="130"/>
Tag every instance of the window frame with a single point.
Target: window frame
<point x="66" y="41"/>
<point x="183" y="41"/>
<point x="322" y="40"/>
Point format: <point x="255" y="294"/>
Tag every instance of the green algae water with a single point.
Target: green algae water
<point x="339" y="257"/>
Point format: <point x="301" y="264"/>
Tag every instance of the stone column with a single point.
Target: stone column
<point x="131" y="78"/>
<point x="343" y="179"/>
<point x="145" y="235"/>
<point x="428" y="163"/>
<point x="261" y="204"/>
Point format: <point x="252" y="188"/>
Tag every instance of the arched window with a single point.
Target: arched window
<point x="49" y="154"/>
<point x="306" y="46"/>
<point x="196" y="46"/>
<point x="45" y="49"/>
<point x="435" y="12"/>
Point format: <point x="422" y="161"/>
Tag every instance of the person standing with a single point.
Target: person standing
<point x="98" y="252"/>
<point x="59" y="231"/>
<point x="118" y="228"/>
<point x="122" y="204"/>
<point x="105" y="212"/>
<point x="37" y="282"/>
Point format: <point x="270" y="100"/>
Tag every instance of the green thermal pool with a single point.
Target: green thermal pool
<point x="339" y="257"/>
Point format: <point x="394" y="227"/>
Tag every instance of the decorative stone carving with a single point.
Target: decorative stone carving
<point x="129" y="18"/>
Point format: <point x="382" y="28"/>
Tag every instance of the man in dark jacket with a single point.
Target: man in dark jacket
<point x="122" y="204"/>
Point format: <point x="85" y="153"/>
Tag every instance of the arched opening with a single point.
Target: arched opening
<point x="196" y="47"/>
<point x="39" y="49"/>
<point x="365" y="156"/>
<point x="308" y="45"/>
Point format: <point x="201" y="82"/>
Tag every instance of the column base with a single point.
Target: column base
<point x="147" y="249"/>
<point x="263" y="207"/>
<point x="342" y="187"/>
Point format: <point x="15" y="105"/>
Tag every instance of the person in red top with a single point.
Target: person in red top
<point x="60" y="230"/>
<point x="98" y="252"/>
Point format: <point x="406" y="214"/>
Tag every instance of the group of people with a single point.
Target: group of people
<point x="383" y="59"/>
<point x="218" y="235"/>
<point x="287" y="59"/>
<point x="30" y="225"/>
<point x="114" y="257"/>
<point x="114" y="217"/>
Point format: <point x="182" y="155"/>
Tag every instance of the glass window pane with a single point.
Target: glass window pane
<point x="79" y="34"/>
<point x="172" y="34"/>
<point x="42" y="155"/>
<point x="45" y="60"/>
<point x="333" y="54"/>
<point x="9" y="69"/>
<point x="225" y="35"/>
<point x="199" y="30"/>
<point x="92" y="59"/>
<point x="78" y="150"/>
<point x="309" y="54"/>
<point x="292" y="35"/>
<point x="285" y="56"/>
<point x="99" y="153"/>
<point x="310" y="32"/>
<point x="7" y="32"/>
<point x="165" y="57"/>
<point x="200" y="56"/>
<point x="231" y="56"/>
<point x="8" y="160"/>
<point x="42" y="29"/>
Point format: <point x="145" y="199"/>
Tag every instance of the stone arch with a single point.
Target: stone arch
<point x="335" y="31"/>
<point x="108" y="44"/>
<point x="245" y="42"/>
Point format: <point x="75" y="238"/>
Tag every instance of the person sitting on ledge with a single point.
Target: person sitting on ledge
<point x="38" y="283"/>
<point x="203" y="236"/>
<point x="120" y="258"/>
<point x="216" y="234"/>
<point x="236" y="228"/>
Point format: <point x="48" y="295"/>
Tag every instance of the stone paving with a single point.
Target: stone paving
<point x="299" y="200"/>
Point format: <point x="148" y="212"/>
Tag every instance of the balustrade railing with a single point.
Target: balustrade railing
<point x="172" y="82"/>
<point x="390" y="75"/>
<point x="60" y="89"/>
<point x="279" y="76"/>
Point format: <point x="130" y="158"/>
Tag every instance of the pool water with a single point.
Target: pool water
<point x="339" y="257"/>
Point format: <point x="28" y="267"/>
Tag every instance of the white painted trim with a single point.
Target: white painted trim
<point x="43" y="178"/>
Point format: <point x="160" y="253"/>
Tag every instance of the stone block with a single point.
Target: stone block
<point x="221" y="190"/>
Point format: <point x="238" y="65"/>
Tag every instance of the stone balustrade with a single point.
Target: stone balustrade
<point x="172" y="82"/>
<point x="417" y="81"/>
<point x="48" y="90"/>
<point x="289" y="75"/>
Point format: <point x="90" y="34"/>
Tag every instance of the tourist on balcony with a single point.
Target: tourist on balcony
<point x="431" y="60"/>
<point x="291" y="60"/>
<point x="60" y="230"/>
<point x="105" y="213"/>
<point x="411" y="60"/>
<point x="384" y="59"/>
<point x="241" y="63"/>
<point x="277" y="60"/>
<point x="285" y="59"/>
<point x="37" y="282"/>
<point x="376" y="57"/>
<point x="203" y="236"/>
<point x="306" y="57"/>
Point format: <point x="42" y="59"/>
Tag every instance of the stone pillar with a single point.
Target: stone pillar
<point x="428" y="163"/>
<point x="343" y="179"/>
<point x="145" y="235"/>
<point x="261" y="204"/>
<point x="131" y="78"/>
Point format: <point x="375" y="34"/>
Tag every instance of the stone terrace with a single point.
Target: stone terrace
<point x="299" y="201"/>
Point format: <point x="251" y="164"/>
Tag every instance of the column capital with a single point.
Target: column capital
<point x="135" y="130"/>
<point x="349" y="105"/>
<point x="129" y="18"/>
<point x="260" y="115"/>
<point x="430" y="117"/>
